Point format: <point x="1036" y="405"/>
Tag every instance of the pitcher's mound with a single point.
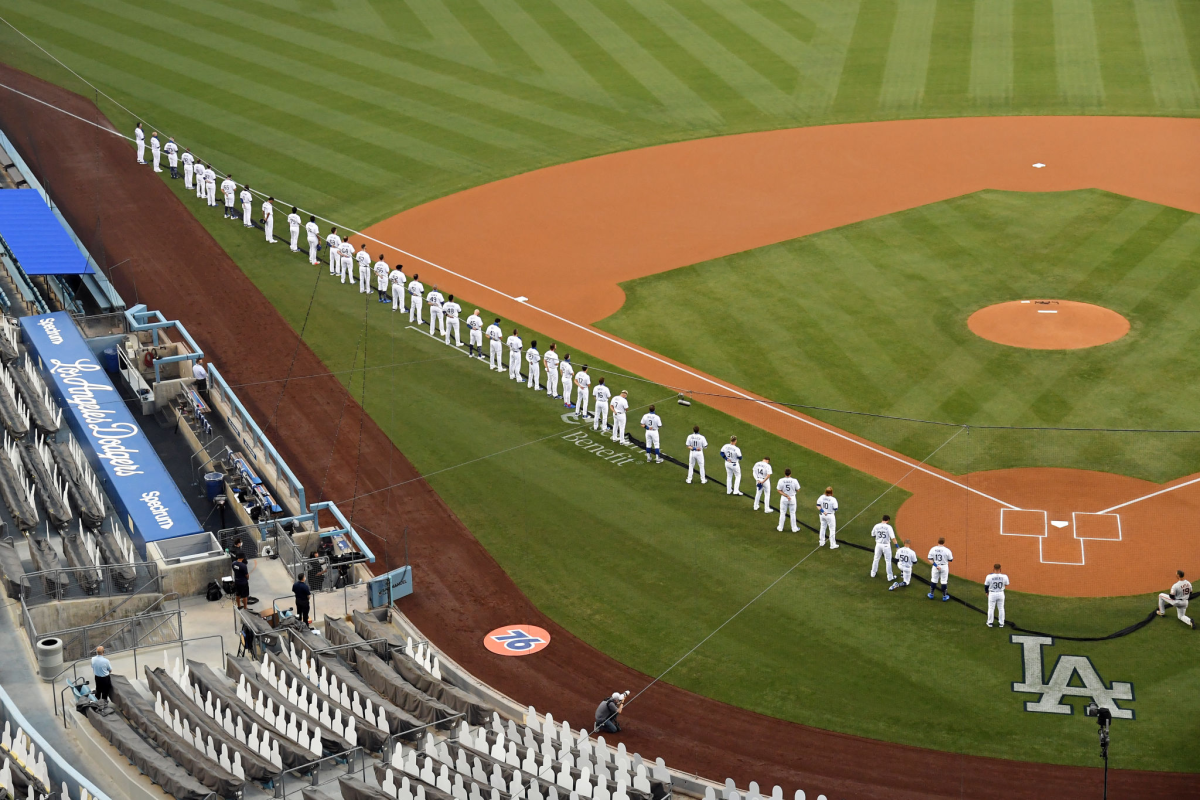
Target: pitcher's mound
<point x="1048" y="324"/>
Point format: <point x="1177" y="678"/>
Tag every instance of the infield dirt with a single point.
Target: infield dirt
<point x="123" y="211"/>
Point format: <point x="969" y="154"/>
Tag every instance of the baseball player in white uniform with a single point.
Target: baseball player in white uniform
<point x="201" y="181"/>
<point x="364" y="269"/>
<point x="156" y="151"/>
<point x="515" y="346"/>
<point x="620" y="406"/>
<point x="906" y="558"/>
<point x="293" y="221"/>
<point x="451" y="310"/>
<point x="789" y="489"/>
<point x="229" y="192"/>
<point x="762" y="483"/>
<point x="189" y="168"/>
<point x="731" y="454"/>
<point x="695" y="445"/>
<point x="994" y="586"/>
<point x="416" y="294"/>
<point x="435" y="300"/>
<point x="1181" y="592"/>
<point x="247" y="199"/>
<point x="475" y="336"/>
<point x="601" y="395"/>
<point x="939" y="560"/>
<point x="884" y="536"/>
<point x="583" y="382"/>
<point x="140" y="136"/>
<point x="399" y="285"/>
<point x="268" y="219"/>
<point x="534" y="359"/>
<point x="652" y="424"/>
<point x="827" y="506"/>
<point x="382" y="270"/>
<point x="346" y="261"/>
<point x="550" y="359"/>
<point x="314" y="237"/>
<point x="172" y="151"/>
<point x="333" y="242"/>
<point x="210" y="185"/>
<point x="566" y="373"/>
<point x="495" y="337"/>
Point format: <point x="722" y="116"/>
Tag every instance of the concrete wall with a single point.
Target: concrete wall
<point x="190" y="578"/>
<point x="65" y="614"/>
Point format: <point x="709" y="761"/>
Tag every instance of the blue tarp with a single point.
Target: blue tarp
<point x="36" y="238"/>
<point x="150" y="503"/>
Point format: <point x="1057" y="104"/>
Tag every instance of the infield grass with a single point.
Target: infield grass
<point x="643" y="566"/>
<point x="874" y="319"/>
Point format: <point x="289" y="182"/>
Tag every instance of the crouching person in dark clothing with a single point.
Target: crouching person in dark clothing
<point x="608" y="711"/>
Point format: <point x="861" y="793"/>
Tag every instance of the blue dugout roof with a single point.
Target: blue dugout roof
<point x="150" y="503"/>
<point x="36" y="238"/>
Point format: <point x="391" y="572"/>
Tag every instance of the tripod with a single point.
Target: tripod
<point x="1103" y="720"/>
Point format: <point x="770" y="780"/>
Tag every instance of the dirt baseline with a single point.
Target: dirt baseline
<point x="1048" y="324"/>
<point x="123" y="211"/>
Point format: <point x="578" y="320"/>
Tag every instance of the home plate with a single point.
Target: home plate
<point x="1059" y="523"/>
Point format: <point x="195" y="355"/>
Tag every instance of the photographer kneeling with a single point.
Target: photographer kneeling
<point x="608" y="711"/>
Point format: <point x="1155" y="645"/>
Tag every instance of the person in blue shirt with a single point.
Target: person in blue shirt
<point x="102" y="669"/>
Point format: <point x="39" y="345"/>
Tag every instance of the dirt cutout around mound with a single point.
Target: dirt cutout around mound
<point x="561" y="239"/>
<point x="1048" y="324"/>
<point x="123" y="211"/>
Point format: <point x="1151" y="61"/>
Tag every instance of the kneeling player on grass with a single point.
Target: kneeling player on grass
<point x="906" y="558"/>
<point x="940" y="558"/>
<point x="1181" y="592"/>
<point x="994" y="586"/>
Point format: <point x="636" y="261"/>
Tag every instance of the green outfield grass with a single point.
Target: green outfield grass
<point x="875" y="320"/>
<point x="361" y="109"/>
<point x="643" y="566"/>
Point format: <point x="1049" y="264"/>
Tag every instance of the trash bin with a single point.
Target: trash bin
<point x="112" y="364"/>
<point x="49" y="657"/>
<point x="214" y="484"/>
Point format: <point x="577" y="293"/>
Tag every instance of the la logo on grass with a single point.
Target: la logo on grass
<point x="1060" y="683"/>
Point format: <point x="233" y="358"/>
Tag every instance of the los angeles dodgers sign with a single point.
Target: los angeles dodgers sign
<point x="517" y="640"/>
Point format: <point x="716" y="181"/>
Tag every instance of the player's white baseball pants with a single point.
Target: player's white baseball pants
<point x="211" y="188"/>
<point x="415" y="303"/>
<point x="1180" y="607"/>
<point x="452" y="326"/>
<point x="435" y="319"/>
<point x="939" y="574"/>
<point x="618" y="427"/>
<point x="173" y="161"/>
<point x="346" y="271"/>
<point x="787" y="505"/>
<point x="906" y="574"/>
<point x="381" y="285"/>
<point x="364" y="279"/>
<point x="269" y="228"/>
<point x="334" y="259"/>
<point x="157" y="158"/>
<point x="733" y="477"/>
<point x="696" y="461"/>
<point x="294" y="241"/>
<point x="883" y="550"/>
<point x="763" y="490"/>
<point x="829" y="521"/>
<point x="551" y="381"/>
<point x="581" y="400"/>
<point x="475" y="339"/>
<point x="246" y="215"/>
<point x="495" y="357"/>
<point x="398" y="297"/>
<point x="533" y="380"/>
<point x="188" y="171"/>
<point x="600" y="415"/>
<point x="514" y="365"/>
<point x="568" y="380"/>
<point x="996" y="603"/>
<point x="141" y="151"/>
<point x="651" y="442"/>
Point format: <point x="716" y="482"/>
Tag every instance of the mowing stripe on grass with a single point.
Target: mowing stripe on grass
<point x="908" y="55"/>
<point x="992" y="52"/>
<point x="1078" y="57"/>
<point x="450" y="38"/>
<point x="1171" y="73"/>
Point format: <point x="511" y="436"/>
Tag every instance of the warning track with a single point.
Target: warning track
<point x="123" y="211"/>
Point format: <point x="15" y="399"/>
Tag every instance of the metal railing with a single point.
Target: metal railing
<point x="313" y="769"/>
<point x="78" y="583"/>
<point x="116" y="635"/>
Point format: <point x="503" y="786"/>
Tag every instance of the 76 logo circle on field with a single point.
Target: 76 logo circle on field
<point x="517" y="640"/>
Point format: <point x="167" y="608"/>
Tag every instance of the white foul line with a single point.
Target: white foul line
<point x="1152" y="494"/>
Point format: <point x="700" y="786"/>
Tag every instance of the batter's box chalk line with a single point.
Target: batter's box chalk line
<point x="1086" y="526"/>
